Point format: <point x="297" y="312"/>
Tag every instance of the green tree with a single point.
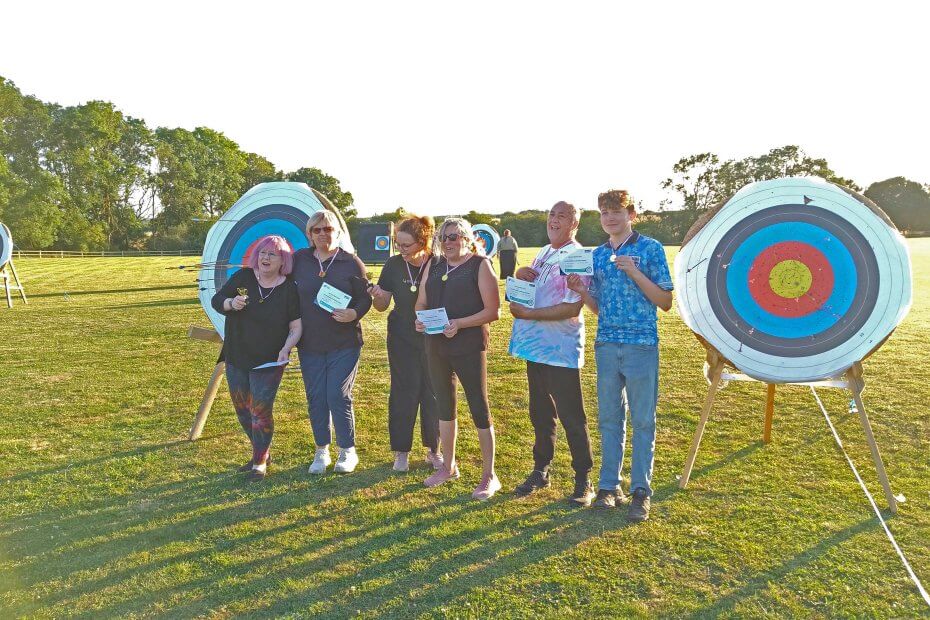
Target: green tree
<point x="329" y="186"/>
<point x="906" y="202"/>
<point x="258" y="170"/>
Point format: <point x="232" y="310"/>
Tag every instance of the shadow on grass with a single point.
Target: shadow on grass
<point x="742" y="453"/>
<point x="116" y="290"/>
<point x="187" y="301"/>
<point x="725" y="604"/>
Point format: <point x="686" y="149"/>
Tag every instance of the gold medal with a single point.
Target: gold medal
<point x="322" y="274"/>
<point x="445" y="277"/>
<point x="413" y="288"/>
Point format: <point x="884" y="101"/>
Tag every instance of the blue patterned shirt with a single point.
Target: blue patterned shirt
<point x="625" y="314"/>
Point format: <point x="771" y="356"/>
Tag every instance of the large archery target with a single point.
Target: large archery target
<point x="6" y="245"/>
<point x="489" y="236"/>
<point x="281" y="208"/>
<point x="794" y="280"/>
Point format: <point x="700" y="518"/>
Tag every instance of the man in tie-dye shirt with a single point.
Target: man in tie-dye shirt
<point x="631" y="279"/>
<point x="550" y="337"/>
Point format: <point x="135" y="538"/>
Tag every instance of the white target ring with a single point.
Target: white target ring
<point x="280" y="208"/>
<point x="6" y="245"/>
<point x="794" y="280"/>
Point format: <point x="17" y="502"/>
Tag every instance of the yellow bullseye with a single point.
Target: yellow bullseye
<point x="790" y="279"/>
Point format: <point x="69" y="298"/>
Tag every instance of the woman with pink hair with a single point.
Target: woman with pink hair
<point x="262" y="326"/>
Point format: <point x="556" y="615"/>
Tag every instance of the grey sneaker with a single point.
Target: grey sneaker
<point x="606" y="498"/>
<point x="535" y="481"/>
<point x="583" y="493"/>
<point x="639" y="507"/>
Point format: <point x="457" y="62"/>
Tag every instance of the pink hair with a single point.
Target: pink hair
<point x="280" y="245"/>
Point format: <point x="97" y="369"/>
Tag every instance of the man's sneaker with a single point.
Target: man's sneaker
<point x="434" y="458"/>
<point x="442" y="475"/>
<point x="347" y="461"/>
<point x="583" y="493"/>
<point x="488" y="486"/>
<point x="639" y="507"/>
<point x="401" y="461"/>
<point x="606" y="498"/>
<point x="535" y="481"/>
<point x="320" y="461"/>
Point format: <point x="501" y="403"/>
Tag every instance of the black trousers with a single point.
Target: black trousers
<point x="472" y="370"/>
<point x="410" y="390"/>
<point x="508" y="260"/>
<point x="555" y="392"/>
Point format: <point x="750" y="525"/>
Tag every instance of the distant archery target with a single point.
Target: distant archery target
<point x="488" y="236"/>
<point x="6" y="245"/>
<point x="794" y="280"/>
<point x="267" y="209"/>
<point x="382" y="243"/>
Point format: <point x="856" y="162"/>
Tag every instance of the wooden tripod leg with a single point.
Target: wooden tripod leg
<point x="6" y="285"/>
<point x="19" y="284"/>
<point x="207" y="403"/>
<point x="769" y="413"/>
<point x="715" y="372"/>
<point x="856" y="386"/>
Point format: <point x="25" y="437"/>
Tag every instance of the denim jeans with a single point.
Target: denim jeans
<point x="627" y="374"/>
<point x="328" y="379"/>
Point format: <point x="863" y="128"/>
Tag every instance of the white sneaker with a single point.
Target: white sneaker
<point x="435" y="459"/>
<point x="487" y="488"/>
<point x="347" y="461"/>
<point x="320" y="461"/>
<point x="401" y="461"/>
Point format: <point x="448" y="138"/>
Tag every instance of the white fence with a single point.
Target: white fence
<point x="119" y="253"/>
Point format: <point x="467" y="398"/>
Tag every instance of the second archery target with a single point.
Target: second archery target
<point x="280" y="208"/>
<point x="488" y="237"/>
<point x="794" y="280"/>
<point x="6" y="245"/>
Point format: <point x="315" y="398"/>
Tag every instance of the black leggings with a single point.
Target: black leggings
<point x="472" y="370"/>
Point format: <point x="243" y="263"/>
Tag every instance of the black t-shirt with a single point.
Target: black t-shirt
<point x="460" y="295"/>
<point x="396" y="278"/>
<point x="255" y="334"/>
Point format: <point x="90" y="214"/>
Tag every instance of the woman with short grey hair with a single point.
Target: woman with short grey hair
<point x="332" y="339"/>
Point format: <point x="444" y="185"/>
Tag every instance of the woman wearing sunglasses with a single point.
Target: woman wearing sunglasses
<point x="400" y="280"/>
<point x="332" y="342"/>
<point x="463" y="283"/>
<point x="262" y="325"/>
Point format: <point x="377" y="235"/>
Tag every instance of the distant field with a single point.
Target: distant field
<point x="107" y="511"/>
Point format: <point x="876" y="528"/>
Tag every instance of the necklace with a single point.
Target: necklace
<point x="262" y="296"/>
<point x="613" y="253"/>
<point x="413" y="283"/>
<point x="445" y="277"/>
<point x="322" y="270"/>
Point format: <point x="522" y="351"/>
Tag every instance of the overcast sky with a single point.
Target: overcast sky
<point x="445" y="107"/>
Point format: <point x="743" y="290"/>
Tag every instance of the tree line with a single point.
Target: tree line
<point x="89" y="177"/>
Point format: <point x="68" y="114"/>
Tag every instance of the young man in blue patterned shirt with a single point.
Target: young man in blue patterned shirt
<point x="631" y="279"/>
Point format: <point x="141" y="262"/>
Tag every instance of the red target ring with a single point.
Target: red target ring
<point x="791" y="279"/>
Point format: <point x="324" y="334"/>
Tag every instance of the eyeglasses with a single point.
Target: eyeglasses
<point x="316" y="230"/>
<point x="268" y="254"/>
<point x="451" y="237"/>
<point x="403" y="247"/>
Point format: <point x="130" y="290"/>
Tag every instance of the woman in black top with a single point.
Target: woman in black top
<point x="464" y="284"/>
<point x="400" y="279"/>
<point x="262" y="325"/>
<point x="332" y="342"/>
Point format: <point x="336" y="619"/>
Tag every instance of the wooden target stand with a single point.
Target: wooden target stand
<point x="8" y="274"/>
<point x="851" y="380"/>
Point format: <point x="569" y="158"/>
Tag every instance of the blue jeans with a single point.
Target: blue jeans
<point x="635" y="368"/>
<point x="328" y="379"/>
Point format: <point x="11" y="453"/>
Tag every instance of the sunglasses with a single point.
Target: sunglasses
<point x="316" y="230"/>
<point x="451" y="237"/>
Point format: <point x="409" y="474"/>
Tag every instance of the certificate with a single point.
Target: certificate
<point x="581" y="261"/>
<point x="435" y="320"/>
<point x="521" y="292"/>
<point x="331" y="298"/>
<point x="272" y="365"/>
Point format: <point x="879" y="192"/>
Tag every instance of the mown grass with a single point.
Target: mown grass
<point x="107" y="510"/>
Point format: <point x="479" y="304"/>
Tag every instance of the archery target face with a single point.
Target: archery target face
<point x="6" y="245"/>
<point x="280" y="208"/>
<point x="794" y="280"/>
<point x="488" y="236"/>
<point x="382" y="243"/>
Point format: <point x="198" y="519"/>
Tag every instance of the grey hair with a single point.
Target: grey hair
<point x="331" y="220"/>
<point x="464" y="229"/>
<point x="576" y="212"/>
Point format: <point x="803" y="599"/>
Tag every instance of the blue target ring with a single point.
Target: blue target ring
<point x="836" y="306"/>
<point x="290" y="231"/>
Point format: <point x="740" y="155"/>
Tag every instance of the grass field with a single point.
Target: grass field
<point x="107" y="510"/>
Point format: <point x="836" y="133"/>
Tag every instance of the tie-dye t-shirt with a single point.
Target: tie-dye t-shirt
<point x="556" y="343"/>
<point x="625" y="314"/>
